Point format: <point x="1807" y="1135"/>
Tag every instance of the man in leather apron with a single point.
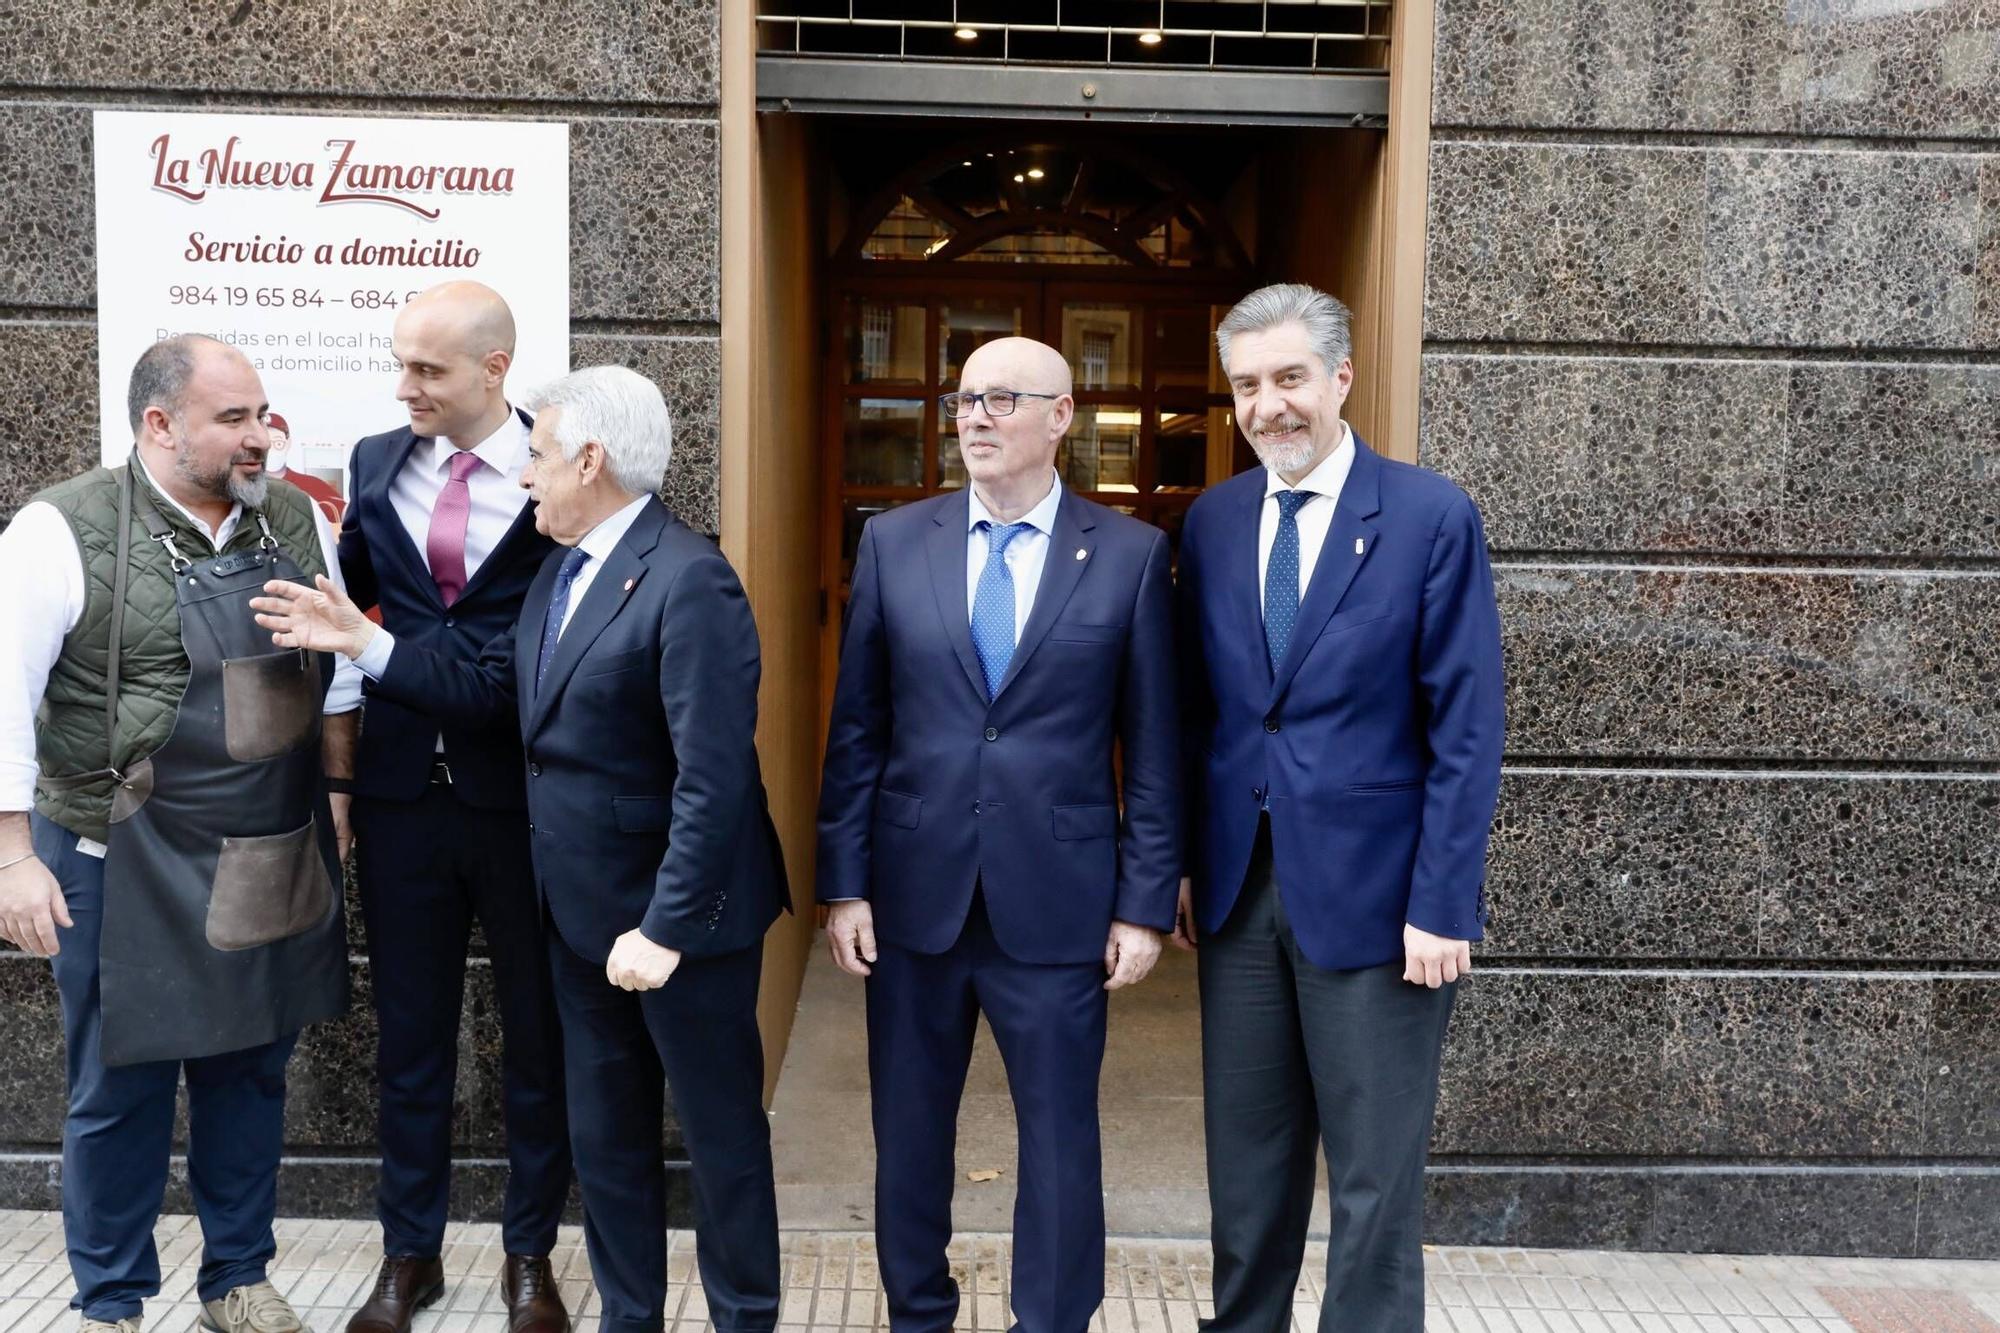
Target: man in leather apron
<point x="180" y="864"/>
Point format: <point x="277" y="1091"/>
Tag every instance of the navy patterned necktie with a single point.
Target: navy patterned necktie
<point x="1281" y="578"/>
<point x="572" y="565"/>
<point x="993" y="605"/>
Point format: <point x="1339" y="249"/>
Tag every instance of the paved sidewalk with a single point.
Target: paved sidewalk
<point x="1152" y="1286"/>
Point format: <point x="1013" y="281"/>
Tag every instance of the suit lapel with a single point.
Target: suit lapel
<point x="517" y="532"/>
<point x="1349" y="541"/>
<point x="1062" y="567"/>
<point x="946" y="552"/>
<point x="400" y="539"/>
<point x="602" y="601"/>
<point x="1241" y="572"/>
<point x="528" y="634"/>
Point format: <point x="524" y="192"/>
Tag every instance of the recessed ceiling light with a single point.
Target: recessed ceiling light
<point x="1035" y="173"/>
<point x="967" y="34"/>
<point x="1149" y="39"/>
<point x="1018" y="178"/>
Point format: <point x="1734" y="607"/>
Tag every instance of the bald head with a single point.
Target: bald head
<point x="472" y="313"/>
<point x="456" y="342"/>
<point x="1021" y="364"/>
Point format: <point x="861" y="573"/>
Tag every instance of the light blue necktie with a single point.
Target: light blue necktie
<point x="993" y="605"/>
<point x="1281" y="578"/>
<point x="558" y="606"/>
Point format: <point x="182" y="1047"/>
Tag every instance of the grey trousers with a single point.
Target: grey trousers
<point x="1294" y="1056"/>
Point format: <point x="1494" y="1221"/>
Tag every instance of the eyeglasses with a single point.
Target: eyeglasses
<point x="999" y="402"/>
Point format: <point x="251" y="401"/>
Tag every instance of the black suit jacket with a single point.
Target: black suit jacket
<point x="645" y="800"/>
<point x="385" y="568"/>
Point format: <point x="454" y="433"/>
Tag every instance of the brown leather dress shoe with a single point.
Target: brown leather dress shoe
<point x="405" y="1286"/>
<point x="533" y="1303"/>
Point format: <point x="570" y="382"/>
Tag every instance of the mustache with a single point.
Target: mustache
<point x="1278" y="423"/>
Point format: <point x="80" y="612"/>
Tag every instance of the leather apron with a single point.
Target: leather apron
<point x="222" y="921"/>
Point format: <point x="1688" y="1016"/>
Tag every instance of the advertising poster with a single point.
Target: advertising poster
<point x="298" y="238"/>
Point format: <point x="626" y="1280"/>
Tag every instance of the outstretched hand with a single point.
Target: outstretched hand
<point x="320" y="619"/>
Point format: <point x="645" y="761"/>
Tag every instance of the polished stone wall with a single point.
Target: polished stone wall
<point x="637" y="81"/>
<point x="1713" y="302"/>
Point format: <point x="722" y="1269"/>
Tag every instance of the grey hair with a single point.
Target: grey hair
<point x="620" y="409"/>
<point x="160" y="376"/>
<point x="1327" y="322"/>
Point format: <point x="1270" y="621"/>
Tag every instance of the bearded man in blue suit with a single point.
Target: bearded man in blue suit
<point x="1342" y="687"/>
<point x="1001" y="643"/>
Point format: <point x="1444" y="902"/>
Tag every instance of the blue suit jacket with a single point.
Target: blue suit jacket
<point x="1377" y="742"/>
<point x="385" y="568"/>
<point x="646" y="805"/>
<point x="929" y="788"/>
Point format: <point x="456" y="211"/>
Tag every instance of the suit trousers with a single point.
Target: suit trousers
<point x="698" y="1035"/>
<point x="119" y="1132"/>
<point x="427" y="869"/>
<point x="1294" y="1056"/>
<point x="1048" y="1020"/>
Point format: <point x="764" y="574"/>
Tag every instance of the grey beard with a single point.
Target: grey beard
<point x="248" y="491"/>
<point x="1283" y="459"/>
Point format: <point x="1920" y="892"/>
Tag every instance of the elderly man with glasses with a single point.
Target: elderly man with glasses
<point x="1001" y="642"/>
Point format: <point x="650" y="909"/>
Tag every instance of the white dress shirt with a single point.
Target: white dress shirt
<point x="1315" y="516"/>
<point x="495" y="490"/>
<point x="1024" y="555"/>
<point x="598" y="543"/>
<point x="41" y="600"/>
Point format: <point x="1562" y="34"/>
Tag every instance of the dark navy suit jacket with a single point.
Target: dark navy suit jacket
<point x="646" y="805"/>
<point x="385" y="568"/>
<point x="929" y="789"/>
<point x="1377" y="742"/>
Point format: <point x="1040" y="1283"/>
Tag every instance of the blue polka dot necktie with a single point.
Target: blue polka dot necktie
<point x="1281" y="578"/>
<point x="558" y="606"/>
<point x="993" y="605"/>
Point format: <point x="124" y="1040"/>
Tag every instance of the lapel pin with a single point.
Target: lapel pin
<point x="1358" y="548"/>
<point x="633" y="583"/>
<point x="1081" y="553"/>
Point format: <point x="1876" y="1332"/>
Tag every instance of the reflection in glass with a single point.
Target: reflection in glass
<point x="951" y="463"/>
<point x="883" y="442"/>
<point x="964" y="322"/>
<point x="1097" y="341"/>
<point x="907" y="233"/>
<point x="1102" y="451"/>
<point x="1180" y="448"/>
<point x="1043" y="245"/>
<point x="1184" y="348"/>
<point x="854" y="513"/>
<point x="885" y="341"/>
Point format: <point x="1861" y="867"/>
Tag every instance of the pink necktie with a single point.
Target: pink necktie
<point x="445" y="547"/>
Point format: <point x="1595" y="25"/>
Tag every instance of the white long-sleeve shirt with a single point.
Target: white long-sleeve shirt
<point x="41" y="600"/>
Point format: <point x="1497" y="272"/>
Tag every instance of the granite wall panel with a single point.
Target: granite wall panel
<point x="1710" y="1209"/>
<point x="1624" y="244"/>
<point x="644" y="205"/>
<point x="654" y="51"/>
<point x="1640" y="454"/>
<point x="1827" y="67"/>
<point x="1699" y="663"/>
<point x="1680" y="1064"/>
<point x="48" y="432"/>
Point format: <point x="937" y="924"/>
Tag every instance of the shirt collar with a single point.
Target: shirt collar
<point x="603" y="539"/>
<point x="1042" y="518"/>
<point x="502" y="450"/>
<point x="215" y="539"/>
<point x="1327" y="478"/>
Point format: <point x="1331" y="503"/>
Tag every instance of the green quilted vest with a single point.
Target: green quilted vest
<point x="153" y="671"/>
